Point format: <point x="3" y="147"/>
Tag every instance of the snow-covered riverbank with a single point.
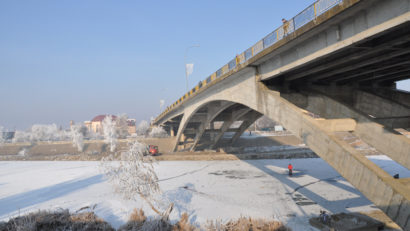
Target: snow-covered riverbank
<point x="206" y="190"/>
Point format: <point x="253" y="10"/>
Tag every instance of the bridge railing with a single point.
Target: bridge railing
<point x="307" y="15"/>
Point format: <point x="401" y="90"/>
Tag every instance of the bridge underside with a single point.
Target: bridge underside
<point x="376" y="61"/>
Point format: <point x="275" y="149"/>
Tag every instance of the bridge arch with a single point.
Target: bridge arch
<point x="198" y="122"/>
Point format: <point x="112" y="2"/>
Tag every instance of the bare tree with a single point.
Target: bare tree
<point x="133" y="176"/>
<point x="110" y="133"/>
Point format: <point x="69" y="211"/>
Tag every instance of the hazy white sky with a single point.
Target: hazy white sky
<point x="73" y="60"/>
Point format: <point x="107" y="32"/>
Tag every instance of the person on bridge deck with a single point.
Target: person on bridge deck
<point x="285" y="27"/>
<point x="290" y="167"/>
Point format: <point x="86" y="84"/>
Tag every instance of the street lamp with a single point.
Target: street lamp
<point x="186" y="71"/>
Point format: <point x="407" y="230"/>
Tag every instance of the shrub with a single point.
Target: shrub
<point x="247" y="224"/>
<point x="58" y="220"/>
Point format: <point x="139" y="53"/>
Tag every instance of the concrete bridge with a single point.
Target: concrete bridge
<point x="330" y="70"/>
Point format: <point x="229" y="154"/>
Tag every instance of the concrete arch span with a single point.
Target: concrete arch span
<point x="206" y="125"/>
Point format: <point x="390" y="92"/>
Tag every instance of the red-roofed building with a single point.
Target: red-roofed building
<point x="96" y="123"/>
<point x="100" y="118"/>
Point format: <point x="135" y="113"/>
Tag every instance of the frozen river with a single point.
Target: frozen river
<point x="206" y="190"/>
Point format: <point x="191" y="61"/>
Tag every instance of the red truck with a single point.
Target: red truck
<point x="153" y="150"/>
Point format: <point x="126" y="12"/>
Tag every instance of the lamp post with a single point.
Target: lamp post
<point x="186" y="73"/>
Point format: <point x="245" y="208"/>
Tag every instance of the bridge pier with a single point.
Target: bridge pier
<point x="171" y="132"/>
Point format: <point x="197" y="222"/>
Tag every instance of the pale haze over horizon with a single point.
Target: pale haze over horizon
<point x="73" y="60"/>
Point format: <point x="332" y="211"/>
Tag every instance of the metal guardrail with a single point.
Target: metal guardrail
<point x="304" y="17"/>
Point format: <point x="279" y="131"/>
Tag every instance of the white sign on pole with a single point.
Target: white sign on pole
<point x="189" y="68"/>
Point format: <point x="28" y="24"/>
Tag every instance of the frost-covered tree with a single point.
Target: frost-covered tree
<point x="41" y="132"/>
<point x="2" y="140"/>
<point x="21" y="136"/>
<point x="44" y="132"/>
<point x="77" y="136"/>
<point x="110" y="133"/>
<point x="122" y="126"/>
<point x="142" y="128"/>
<point x="133" y="176"/>
<point x="158" y="132"/>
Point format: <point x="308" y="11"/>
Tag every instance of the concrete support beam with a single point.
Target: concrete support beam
<point x="337" y="125"/>
<point x="367" y="62"/>
<point x="236" y="115"/>
<point x="387" y="73"/>
<point x="395" y="95"/>
<point x="248" y="121"/>
<point x="387" y="141"/>
<point x="388" y="112"/>
<point x="395" y="121"/>
<point x="384" y="67"/>
<point x="379" y="107"/>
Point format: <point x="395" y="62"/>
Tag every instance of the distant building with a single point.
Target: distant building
<point x="95" y="125"/>
<point x="132" y="128"/>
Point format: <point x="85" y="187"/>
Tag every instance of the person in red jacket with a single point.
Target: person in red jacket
<point x="290" y="167"/>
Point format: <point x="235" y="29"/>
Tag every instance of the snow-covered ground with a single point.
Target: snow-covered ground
<point x="207" y="190"/>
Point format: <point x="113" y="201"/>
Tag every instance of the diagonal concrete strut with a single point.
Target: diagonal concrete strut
<point x="236" y="115"/>
<point x="390" y="195"/>
<point x="213" y="112"/>
<point x="394" y="145"/>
